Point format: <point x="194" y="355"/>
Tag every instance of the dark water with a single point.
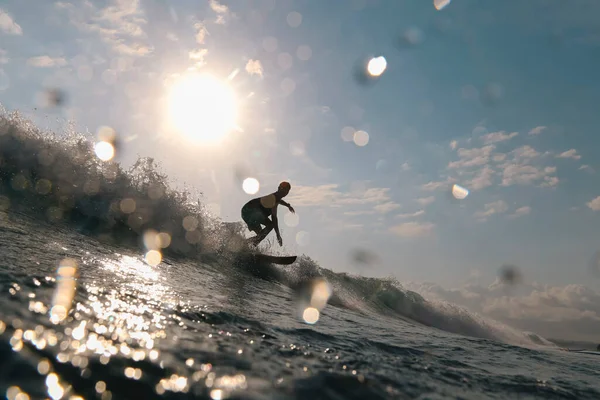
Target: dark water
<point x="96" y="304"/>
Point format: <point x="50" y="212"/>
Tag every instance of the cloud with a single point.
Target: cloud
<point x="594" y="204"/>
<point x="496" y="137"/>
<point x="377" y="199"/>
<point x="413" y="229"/>
<point x="537" y="130"/>
<point x="254" y="67"/>
<point x="586" y="168"/>
<point x="482" y="179"/>
<point x="119" y="25"/>
<point x="572" y="153"/>
<point x="516" y="174"/>
<point x="386" y="207"/>
<point x="496" y="207"/>
<point x="453" y="144"/>
<point x="472" y="157"/>
<point x="198" y="56"/>
<point x="358" y="213"/>
<point x="8" y="25"/>
<point x="411" y="215"/>
<point x="425" y="200"/>
<point x="519" y="169"/>
<point x="525" y="153"/>
<point x="3" y="57"/>
<point x="436" y="185"/>
<point x="201" y="32"/>
<point x="519" y="212"/>
<point x="46" y="62"/>
<point x="565" y="312"/>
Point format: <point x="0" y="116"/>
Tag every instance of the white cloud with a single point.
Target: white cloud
<point x="254" y="67"/>
<point x="586" y="168"/>
<point x="496" y="207"/>
<point x="566" y="312"/>
<point x="518" y="169"/>
<point x="482" y="179"/>
<point x="524" y="153"/>
<point x="413" y="229"/>
<point x="472" y="157"/>
<point x="519" y="212"/>
<point x="411" y="215"/>
<point x="517" y="174"/>
<point x="119" y="24"/>
<point x="495" y="137"/>
<point x="453" y="144"/>
<point x="426" y="200"/>
<point x="218" y="7"/>
<point x="537" y="130"/>
<point x="46" y="62"/>
<point x="359" y="213"/>
<point x="8" y="25"/>
<point x="549" y="181"/>
<point x="198" y="56"/>
<point x="3" y="57"/>
<point x="436" y="185"/>
<point x="201" y="32"/>
<point x="572" y="153"/>
<point x="378" y="199"/>
<point x="385" y="208"/>
<point x="594" y="204"/>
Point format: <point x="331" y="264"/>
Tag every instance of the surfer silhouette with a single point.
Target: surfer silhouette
<point x="256" y="212"/>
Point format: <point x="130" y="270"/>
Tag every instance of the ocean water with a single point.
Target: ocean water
<point x="114" y="286"/>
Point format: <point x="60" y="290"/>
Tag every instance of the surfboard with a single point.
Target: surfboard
<point x="595" y="353"/>
<point x="281" y="260"/>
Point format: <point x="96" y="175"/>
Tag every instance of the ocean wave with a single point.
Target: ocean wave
<point x="58" y="178"/>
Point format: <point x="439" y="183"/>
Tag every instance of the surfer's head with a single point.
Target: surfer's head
<point x="284" y="188"/>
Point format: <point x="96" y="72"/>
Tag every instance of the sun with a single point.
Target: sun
<point x="202" y="108"/>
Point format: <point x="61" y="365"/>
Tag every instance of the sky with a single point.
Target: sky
<point x="499" y="98"/>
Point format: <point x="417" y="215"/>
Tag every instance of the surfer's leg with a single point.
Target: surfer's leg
<point x="252" y="219"/>
<point x="260" y="236"/>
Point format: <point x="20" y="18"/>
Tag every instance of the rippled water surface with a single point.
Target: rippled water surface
<point x="218" y="330"/>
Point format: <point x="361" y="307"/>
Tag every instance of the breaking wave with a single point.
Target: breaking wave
<point x="57" y="178"/>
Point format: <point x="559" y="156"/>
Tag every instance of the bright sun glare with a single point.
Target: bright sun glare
<point x="202" y="107"/>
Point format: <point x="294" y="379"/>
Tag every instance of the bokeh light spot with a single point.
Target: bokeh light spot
<point x="268" y="201"/>
<point x="291" y="220"/>
<point x="303" y="238"/>
<point x="311" y="315"/>
<point x="153" y="258"/>
<point x="251" y="185"/>
<point x="376" y="66"/>
<point x="294" y="19"/>
<point x="269" y="44"/>
<point x="190" y="223"/>
<point x="440" y="4"/>
<point x="285" y="60"/>
<point x="304" y="52"/>
<point x="361" y="138"/>
<point x="127" y="205"/>
<point x="104" y="150"/>
<point x="459" y="192"/>
<point x="348" y="134"/>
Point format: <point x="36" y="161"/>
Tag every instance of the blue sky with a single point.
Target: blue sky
<point x="498" y="97"/>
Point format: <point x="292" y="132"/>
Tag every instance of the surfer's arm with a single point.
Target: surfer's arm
<point x="288" y="205"/>
<point x="276" y="224"/>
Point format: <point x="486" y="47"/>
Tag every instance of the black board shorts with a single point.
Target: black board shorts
<point x="254" y="217"/>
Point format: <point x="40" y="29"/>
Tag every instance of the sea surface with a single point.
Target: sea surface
<point x="114" y="286"/>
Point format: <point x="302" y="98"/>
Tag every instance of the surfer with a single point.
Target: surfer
<point x="256" y="212"/>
